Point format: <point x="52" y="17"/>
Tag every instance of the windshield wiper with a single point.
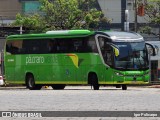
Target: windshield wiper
<point x="122" y="68"/>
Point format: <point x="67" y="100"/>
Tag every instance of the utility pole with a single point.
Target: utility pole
<point x="21" y="29"/>
<point x="135" y="21"/>
<point x="126" y="23"/>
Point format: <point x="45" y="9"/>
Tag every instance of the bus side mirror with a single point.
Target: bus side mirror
<point x="156" y="49"/>
<point x="152" y="49"/>
<point x="116" y="50"/>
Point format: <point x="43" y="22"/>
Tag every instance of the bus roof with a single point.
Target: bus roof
<point x="52" y="34"/>
<point x="113" y="35"/>
<point x="123" y="36"/>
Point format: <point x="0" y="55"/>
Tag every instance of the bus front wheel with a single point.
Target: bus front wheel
<point x="124" y="87"/>
<point x="31" y="83"/>
<point x="94" y="81"/>
<point x="58" y="86"/>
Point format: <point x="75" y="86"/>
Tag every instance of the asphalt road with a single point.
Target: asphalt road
<point x="80" y="98"/>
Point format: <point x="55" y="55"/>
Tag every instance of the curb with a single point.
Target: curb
<point x="154" y="86"/>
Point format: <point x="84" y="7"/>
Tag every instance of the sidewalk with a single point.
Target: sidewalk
<point x="154" y="86"/>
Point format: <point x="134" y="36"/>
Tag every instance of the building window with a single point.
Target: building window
<point x="30" y="7"/>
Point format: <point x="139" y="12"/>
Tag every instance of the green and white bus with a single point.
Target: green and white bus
<point x="69" y="57"/>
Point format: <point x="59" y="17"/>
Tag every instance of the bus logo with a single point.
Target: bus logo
<point x="10" y="60"/>
<point x="74" y="59"/>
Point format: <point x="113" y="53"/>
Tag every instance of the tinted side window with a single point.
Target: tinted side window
<point x="48" y="46"/>
<point x="76" y="45"/>
<point x="106" y="50"/>
<point x="14" y="47"/>
<point x="84" y="45"/>
<point x="64" y="45"/>
<point x="35" y="46"/>
<point x="92" y="44"/>
<point x="27" y="47"/>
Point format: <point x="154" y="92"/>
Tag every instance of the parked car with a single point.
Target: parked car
<point x="1" y="80"/>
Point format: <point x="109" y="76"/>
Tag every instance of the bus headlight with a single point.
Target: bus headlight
<point x="118" y="74"/>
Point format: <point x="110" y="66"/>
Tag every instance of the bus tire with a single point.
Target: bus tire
<point x="58" y="86"/>
<point x="94" y="82"/>
<point x="124" y="87"/>
<point x="118" y="86"/>
<point x="31" y="83"/>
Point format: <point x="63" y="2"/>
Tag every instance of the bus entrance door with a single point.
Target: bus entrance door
<point x="108" y="75"/>
<point x="10" y="67"/>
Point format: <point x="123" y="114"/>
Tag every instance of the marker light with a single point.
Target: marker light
<point x="69" y="32"/>
<point x="58" y="32"/>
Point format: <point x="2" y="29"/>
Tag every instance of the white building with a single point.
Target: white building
<point x="115" y="10"/>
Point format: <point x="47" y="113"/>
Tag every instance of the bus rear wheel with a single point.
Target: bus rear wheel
<point x="124" y="87"/>
<point x="58" y="86"/>
<point x="118" y="86"/>
<point x="31" y="83"/>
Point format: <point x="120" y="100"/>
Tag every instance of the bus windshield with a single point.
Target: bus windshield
<point x="132" y="55"/>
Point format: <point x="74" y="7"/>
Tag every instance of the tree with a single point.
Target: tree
<point x="152" y="11"/>
<point x="61" y="15"/>
<point x="33" y="22"/>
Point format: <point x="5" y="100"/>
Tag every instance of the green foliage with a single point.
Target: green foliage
<point x="152" y="11"/>
<point x="33" y="22"/>
<point x="145" y="29"/>
<point x="62" y="14"/>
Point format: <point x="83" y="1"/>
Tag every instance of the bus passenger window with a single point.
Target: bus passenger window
<point x="106" y="50"/>
<point x="8" y="47"/>
<point x="35" y="49"/>
<point x="14" y="47"/>
<point x="51" y="46"/>
<point x="62" y="46"/>
<point x="92" y="45"/>
<point x="77" y="45"/>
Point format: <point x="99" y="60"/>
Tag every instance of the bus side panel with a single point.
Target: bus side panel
<point x="81" y="70"/>
<point x="19" y="69"/>
<point x="69" y="67"/>
<point x="51" y="71"/>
